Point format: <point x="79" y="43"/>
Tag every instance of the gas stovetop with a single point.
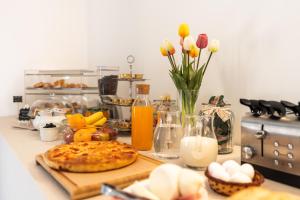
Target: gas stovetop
<point x="273" y="109"/>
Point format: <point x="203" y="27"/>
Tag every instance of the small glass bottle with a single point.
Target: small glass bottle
<point x="142" y="119"/>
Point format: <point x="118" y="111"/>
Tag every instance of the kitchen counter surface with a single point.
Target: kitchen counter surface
<point x="21" y="178"/>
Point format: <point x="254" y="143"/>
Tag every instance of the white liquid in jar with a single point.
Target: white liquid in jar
<point x="197" y="151"/>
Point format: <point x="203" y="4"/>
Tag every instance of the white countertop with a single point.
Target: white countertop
<point x="21" y="178"/>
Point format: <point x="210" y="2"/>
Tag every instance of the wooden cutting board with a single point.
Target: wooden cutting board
<point x="82" y="185"/>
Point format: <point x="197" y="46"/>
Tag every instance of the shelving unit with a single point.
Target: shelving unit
<point x="131" y="81"/>
<point x="75" y="78"/>
<point x="62" y="91"/>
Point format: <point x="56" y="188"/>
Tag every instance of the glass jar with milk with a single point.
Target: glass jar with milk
<point x="199" y="146"/>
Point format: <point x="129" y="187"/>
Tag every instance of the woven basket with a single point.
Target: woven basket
<point x="229" y="188"/>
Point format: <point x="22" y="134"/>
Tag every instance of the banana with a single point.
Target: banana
<point x="93" y="118"/>
<point x="100" y="122"/>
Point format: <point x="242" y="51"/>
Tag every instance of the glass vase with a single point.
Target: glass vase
<point x="187" y="101"/>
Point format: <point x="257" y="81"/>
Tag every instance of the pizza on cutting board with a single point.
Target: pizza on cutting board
<point x="93" y="156"/>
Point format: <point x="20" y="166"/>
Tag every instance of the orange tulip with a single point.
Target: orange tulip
<point x="170" y="48"/>
<point x="167" y="48"/>
<point x="163" y="51"/>
<point x="194" y="52"/>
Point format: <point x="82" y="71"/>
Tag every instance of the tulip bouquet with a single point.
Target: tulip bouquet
<point x="188" y="75"/>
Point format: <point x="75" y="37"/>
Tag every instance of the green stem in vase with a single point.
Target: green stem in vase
<point x="207" y="63"/>
<point x="172" y="57"/>
<point x="198" y="59"/>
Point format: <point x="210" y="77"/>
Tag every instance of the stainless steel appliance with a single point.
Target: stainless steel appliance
<point x="271" y="140"/>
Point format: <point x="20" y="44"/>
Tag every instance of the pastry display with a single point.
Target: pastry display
<point x="124" y="125"/>
<point x="138" y="76"/>
<point x="47" y="85"/>
<point x="78" y="103"/>
<point x="128" y="76"/>
<point x="125" y="76"/>
<point x="170" y="182"/>
<point x="258" y="193"/>
<point x="121" y="124"/>
<point x="38" y="85"/>
<point x="127" y="101"/>
<point x="51" y="106"/>
<point x="93" y="156"/>
<point x="231" y="177"/>
<point x="115" y="101"/>
<point x="58" y="84"/>
<point x="122" y="101"/>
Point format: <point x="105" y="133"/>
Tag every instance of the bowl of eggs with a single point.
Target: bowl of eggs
<point x="231" y="177"/>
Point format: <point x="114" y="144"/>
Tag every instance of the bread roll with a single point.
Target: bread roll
<point x="163" y="181"/>
<point x="189" y="182"/>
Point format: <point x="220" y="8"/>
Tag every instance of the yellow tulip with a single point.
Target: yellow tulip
<point x="163" y="51"/>
<point x="183" y="30"/>
<point x="214" y="46"/>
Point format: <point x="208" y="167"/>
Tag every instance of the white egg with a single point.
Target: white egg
<point x="239" y="177"/>
<point x="248" y="170"/>
<point x="231" y="167"/>
<point x="221" y="174"/>
<point x="214" y="166"/>
<point x="163" y="181"/>
<point x="190" y="182"/>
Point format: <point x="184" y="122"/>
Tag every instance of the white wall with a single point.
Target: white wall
<point x="111" y="32"/>
<point x="112" y="36"/>
<point x="259" y="52"/>
<point x="38" y="34"/>
<point x="258" y="56"/>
